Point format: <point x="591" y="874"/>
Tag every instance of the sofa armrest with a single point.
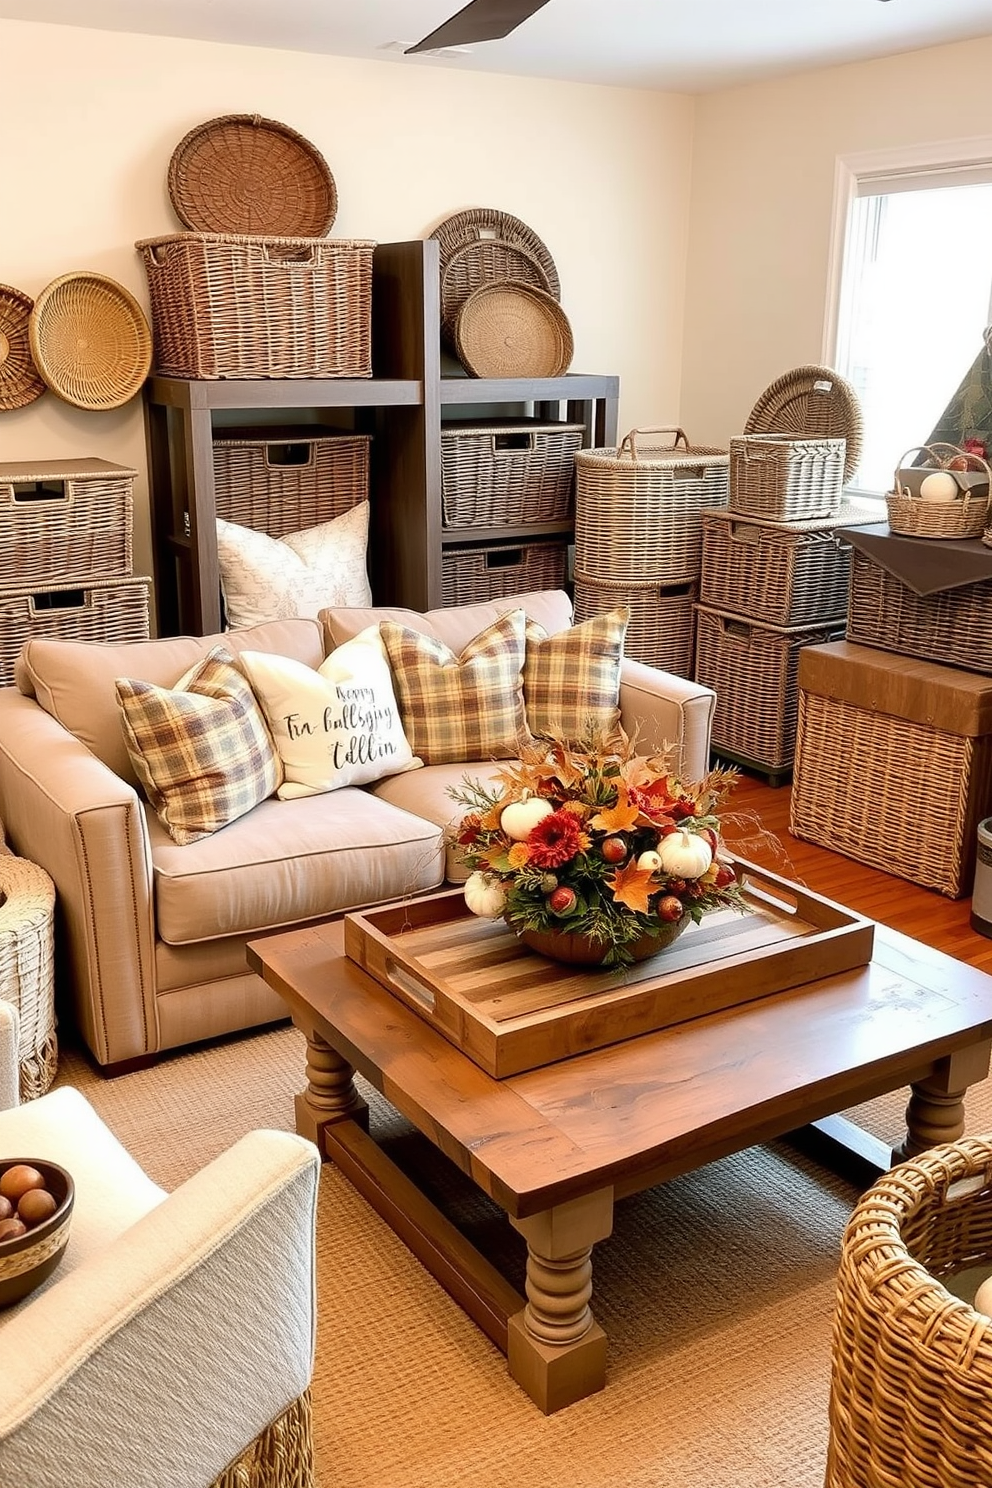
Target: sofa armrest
<point x="153" y="1364"/>
<point x="65" y="810"/>
<point x="9" y="1072"/>
<point x="662" y="711"/>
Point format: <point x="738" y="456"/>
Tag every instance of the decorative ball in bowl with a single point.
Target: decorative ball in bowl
<point x="36" y="1199"/>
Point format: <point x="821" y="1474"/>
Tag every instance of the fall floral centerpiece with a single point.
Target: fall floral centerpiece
<point x="594" y="854"/>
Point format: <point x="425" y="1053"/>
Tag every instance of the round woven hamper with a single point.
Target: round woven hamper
<point x="27" y="907"/>
<point x="911" y="1378"/>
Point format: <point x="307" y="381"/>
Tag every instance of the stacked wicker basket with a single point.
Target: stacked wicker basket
<point x="65" y="556"/>
<point x="638" y="538"/>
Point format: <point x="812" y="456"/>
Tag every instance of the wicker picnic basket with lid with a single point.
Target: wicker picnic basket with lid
<point x="911" y="1371"/>
<point x="508" y="471"/>
<point x="811" y="403"/>
<point x="786" y="480"/>
<point x="281" y="480"/>
<point x="638" y="507"/>
<point x="226" y="305"/>
<point x="912" y="514"/>
<point x="661" y="630"/>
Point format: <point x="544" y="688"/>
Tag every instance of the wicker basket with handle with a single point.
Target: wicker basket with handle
<point x="912" y="514"/>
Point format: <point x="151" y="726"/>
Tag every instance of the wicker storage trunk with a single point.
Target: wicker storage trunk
<point x="951" y="625"/>
<point x="785" y="574"/>
<point x="116" y="611"/>
<point x="893" y="762"/>
<point x="230" y="306"/>
<point x="474" y="575"/>
<point x="753" y="669"/>
<point x="662" y="618"/>
<point x="64" y="519"/>
<point x="786" y="480"/>
<point x="283" y="480"/>
<point x="508" y="471"/>
<point x="638" y="508"/>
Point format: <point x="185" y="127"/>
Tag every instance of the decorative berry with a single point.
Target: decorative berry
<point x="548" y="883"/>
<point x="562" y="900"/>
<point x="724" y="875"/>
<point x="614" y="849"/>
<point x="669" y="908"/>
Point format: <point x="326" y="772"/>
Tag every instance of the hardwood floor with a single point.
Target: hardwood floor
<point x="757" y="827"/>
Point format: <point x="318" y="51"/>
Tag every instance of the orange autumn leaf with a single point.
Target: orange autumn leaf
<point x="619" y="818"/>
<point x="631" y="886"/>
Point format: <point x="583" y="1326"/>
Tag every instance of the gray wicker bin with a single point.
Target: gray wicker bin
<point x="508" y="471"/>
<point x="785" y="574"/>
<point x="283" y="480"/>
<point x="786" y="480"/>
<point x="661" y="629"/>
<point x="474" y="575"/>
<point x="952" y="626"/>
<point x="117" y="611"/>
<point x="64" y="519"/>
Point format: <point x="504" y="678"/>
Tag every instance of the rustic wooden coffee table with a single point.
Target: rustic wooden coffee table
<point x="555" y="1146"/>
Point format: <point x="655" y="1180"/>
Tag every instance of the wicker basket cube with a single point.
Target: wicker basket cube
<point x="662" y="618"/>
<point x="64" y="519"/>
<point x="911" y="1369"/>
<point x="474" y="575"/>
<point x="116" y="611"/>
<point x="950" y="625"/>
<point x="786" y="480"/>
<point x="783" y="573"/>
<point x="225" y="305"/>
<point x="283" y="480"/>
<point x="753" y="669"/>
<point x="893" y="762"/>
<point x="508" y="471"/>
<point x="638" y="508"/>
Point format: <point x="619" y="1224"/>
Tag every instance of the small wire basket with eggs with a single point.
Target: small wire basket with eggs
<point x="944" y="493"/>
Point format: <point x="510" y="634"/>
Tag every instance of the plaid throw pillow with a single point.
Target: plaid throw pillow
<point x="467" y="707"/>
<point x="202" y="750"/>
<point x="572" y="680"/>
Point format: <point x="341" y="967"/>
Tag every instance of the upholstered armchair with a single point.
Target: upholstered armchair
<point x="173" y="1346"/>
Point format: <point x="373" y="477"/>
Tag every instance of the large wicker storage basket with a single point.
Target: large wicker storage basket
<point x="753" y="669"/>
<point x="637" y="508"/>
<point x="64" y="519"/>
<point x="951" y="625"/>
<point x="230" y="306"/>
<point x="117" y="611"/>
<point x="784" y="574"/>
<point x="911" y="1371"/>
<point x="283" y="480"/>
<point x="662" y="623"/>
<point x="786" y="480"/>
<point x="508" y="471"/>
<point x="27" y="967"/>
<point x="474" y="575"/>
<point x="893" y="762"/>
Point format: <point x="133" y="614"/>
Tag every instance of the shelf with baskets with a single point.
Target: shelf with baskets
<point x="404" y="409"/>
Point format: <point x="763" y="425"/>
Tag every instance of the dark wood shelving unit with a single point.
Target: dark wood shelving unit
<point x="403" y="406"/>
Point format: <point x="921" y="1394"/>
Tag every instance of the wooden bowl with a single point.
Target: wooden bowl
<point x="27" y="1260"/>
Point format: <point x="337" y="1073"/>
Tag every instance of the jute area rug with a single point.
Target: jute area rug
<point x="715" y="1292"/>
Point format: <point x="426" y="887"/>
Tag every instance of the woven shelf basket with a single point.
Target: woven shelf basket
<point x="951" y="626"/>
<point x="90" y="341"/>
<point x="811" y="403"/>
<point x="64" y="520"/>
<point x="962" y="517"/>
<point x="513" y="329"/>
<point x="786" y="480"/>
<point x="662" y="626"/>
<point x="20" y="381"/>
<point x="911" y="1372"/>
<point x="245" y="174"/>
<point x="638" y="508"/>
<point x="474" y="575"/>
<point x="507" y="472"/>
<point x="115" y="611"/>
<point x="283" y="480"/>
<point x="27" y="908"/>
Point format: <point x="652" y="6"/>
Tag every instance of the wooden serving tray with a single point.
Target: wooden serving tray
<point x="510" y="1009"/>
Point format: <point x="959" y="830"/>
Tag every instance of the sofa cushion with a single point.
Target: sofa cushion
<point x="202" y="750"/>
<point x="272" y="578"/>
<point x="550" y="608"/>
<point x="572" y="680"/>
<point x="336" y="725"/>
<point x="427" y="794"/>
<point x="74" y="680"/>
<point x="290" y="861"/>
<point x="469" y="706"/>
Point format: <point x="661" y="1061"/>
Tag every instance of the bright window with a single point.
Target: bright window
<point x="915" y="300"/>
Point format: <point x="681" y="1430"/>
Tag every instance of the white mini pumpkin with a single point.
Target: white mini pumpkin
<point x="685" y="854"/>
<point x="649" y="862"/>
<point x="520" y="818"/>
<point x="485" y="895"/>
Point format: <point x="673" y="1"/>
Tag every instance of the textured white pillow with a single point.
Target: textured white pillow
<point x="336" y="726"/>
<point x="268" y="578"/>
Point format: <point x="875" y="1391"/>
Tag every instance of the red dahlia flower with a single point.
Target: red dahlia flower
<point x="556" y="839"/>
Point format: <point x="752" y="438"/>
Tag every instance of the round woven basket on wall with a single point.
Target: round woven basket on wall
<point x="513" y="329"/>
<point x="20" y="381"/>
<point x="90" y="340"/>
<point x="811" y="403"/>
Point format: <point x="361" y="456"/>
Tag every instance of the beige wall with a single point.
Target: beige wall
<point x="762" y="194"/>
<point x="602" y="174"/>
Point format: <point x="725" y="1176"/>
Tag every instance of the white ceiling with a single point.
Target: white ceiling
<point x="678" y="45"/>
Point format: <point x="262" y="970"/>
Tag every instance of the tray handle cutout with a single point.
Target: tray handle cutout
<point x="404" y="981"/>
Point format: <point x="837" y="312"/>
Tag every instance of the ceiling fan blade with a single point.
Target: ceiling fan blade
<point x="480" y="20"/>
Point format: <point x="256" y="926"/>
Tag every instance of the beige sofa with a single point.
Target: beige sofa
<point x="150" y="935"/>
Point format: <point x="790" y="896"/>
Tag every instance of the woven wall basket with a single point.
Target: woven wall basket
<point x="90" y="340"/>
<point x="245" y="174"/>
<point x="480" y="224"/>
<point x="811" y="403"/>
<point x="20" y="380"/>
<point x="513" y="330"/>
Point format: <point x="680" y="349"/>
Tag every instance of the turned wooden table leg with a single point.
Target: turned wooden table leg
<point x="556" y="1350"/>
<point x="935" y="1112"/>
<point x="330" y="1094"/>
